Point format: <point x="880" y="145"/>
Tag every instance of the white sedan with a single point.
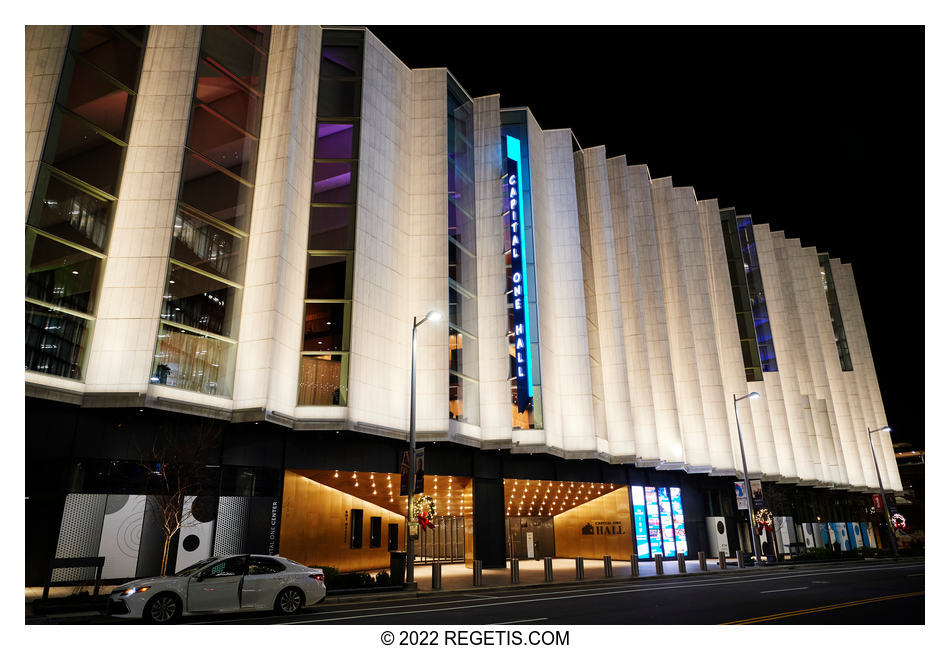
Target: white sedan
<point x="234" y="583"/>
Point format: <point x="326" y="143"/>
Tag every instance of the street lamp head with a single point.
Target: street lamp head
<point x="753" y="395"/>
<point x="886" y="429"/>
<point x="434" y="315"/>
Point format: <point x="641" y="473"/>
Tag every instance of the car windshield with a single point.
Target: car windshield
<point x="197" y="566"/>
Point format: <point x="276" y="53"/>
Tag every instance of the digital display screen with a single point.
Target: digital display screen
<point x="653" y="521"/>
<point x="666" y="522"/>
<point x="679" y="524"/>
<point x="640" y="522"/>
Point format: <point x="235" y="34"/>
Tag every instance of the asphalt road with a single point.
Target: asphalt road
<point x="847" y="593"/>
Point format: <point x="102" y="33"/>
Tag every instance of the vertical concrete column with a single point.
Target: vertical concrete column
<point x="130" y="301"/>
<point x="268" y="356"/>
<point x="45" y="50"/>
<point x="693" y="448"/>
<point x="632" y="301"/>
<point x="428" y="243"/>
<point x="665" y="410"/>
<point x="493" y="389"/>
<point x="565" y="307"/>
<point x="618" y="424"/>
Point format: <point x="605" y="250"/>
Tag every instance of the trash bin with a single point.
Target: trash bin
<point x="397" y="567"/>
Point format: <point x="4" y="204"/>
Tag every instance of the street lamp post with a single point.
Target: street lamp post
<point x="745" y="477"/>
<point x="880" y="483"/>
<point x="434" y="316"/>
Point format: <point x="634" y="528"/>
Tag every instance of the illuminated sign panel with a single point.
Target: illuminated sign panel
<point x="679" y="524"/>
<point x="666" y="522"/>
<point x="515" y="224"/>
<point x="640" y="521"/>
<point x="653" y="521"/>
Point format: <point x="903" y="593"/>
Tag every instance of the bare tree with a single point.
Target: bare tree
<point x="175" y="467"/>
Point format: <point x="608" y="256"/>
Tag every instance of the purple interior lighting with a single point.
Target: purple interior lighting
<point x="331" y="183"/>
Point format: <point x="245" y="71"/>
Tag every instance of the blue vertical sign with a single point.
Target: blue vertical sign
<point x="515" y="224"/>
<point x="640" y="521"/>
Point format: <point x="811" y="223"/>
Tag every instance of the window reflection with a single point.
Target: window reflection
<point x="227" y="97"/>
<point x="205" y="246"/>
<point x="323" y="327"/>
<point x="336" y="140"/>
<point x="199" y="301"/>
<point x="105" y="48"/>
<point x="71" y="213"/>
<point x="326" y="277"/>
<point x="331" y="227"/>
<point x="55" y="342"/>
<point x="320" y="383"/>
<point x="82" y="152"/>
<point x="61" y="275"/>
<point x="222" y="143"/>
<point x="215" y="193"/>
<point x="192" y="362"/>
<point x="97" y="99"/>
<point x="334" y="182"/>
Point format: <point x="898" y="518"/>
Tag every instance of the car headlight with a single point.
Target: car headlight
<point x="135" y="590"/>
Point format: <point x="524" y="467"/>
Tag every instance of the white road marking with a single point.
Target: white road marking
<point x="524" y="620"/>
<point x="775" y="591"/>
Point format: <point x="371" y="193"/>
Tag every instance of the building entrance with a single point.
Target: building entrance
<point x="445" y="543"/>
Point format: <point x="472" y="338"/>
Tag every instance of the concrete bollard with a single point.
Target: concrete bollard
<point x="514" y="571"/>
<point x="477" y="573"/>
<point x="722" y="560"/>
<point x="740" y="558"/>
<point x="702" y="561"/>
<point x="579" y="567"/>
<point x="436" y="576"/>
<point x="634" y="566"/>
<point x="548" y="570"/>
<point x="608" y="567"/>
<point x="681" y="562"/>
<point x="659" y="564"/>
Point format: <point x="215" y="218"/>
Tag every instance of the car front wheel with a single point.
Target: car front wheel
<point x="162" y="608"/>
<point x="289" y="601"/>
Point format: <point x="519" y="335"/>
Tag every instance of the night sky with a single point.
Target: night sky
<point x="816" y="131"/>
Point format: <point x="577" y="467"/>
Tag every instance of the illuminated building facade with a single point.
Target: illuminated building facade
<point x="236" y="226"/>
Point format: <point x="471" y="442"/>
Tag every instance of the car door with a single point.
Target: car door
<point x="262" y="582"/>
<point x="217" y="588"/>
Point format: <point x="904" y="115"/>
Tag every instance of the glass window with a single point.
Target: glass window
<point x="463" y="353"/>
<point x="462" y="267"/>
<point x="207" y="247"/>
<point x="461" y="224"/>
<point x="327" y="277"/>
<point x="331" y="228"/>
<point x="215" y="193"/>
<point x="462" y="310"/>
<point x="222" y="143"/>
<point x="199" y="301"/>
<point x="336" y="140"/>
<point x="82" y="152"/>
<point x="321" y="380"/>
<point x="338" y="98"/>
<point x="55" y="341"/>
<point x="226" y="47"/>
<point x="71" y="213"/>
<point x="463" y="399"/>
<point x="192" y="361"/>
<point x="341" y="61"/>
<point x="334" y="182"/>
<point x="323" y="327"/>
<point x="227" y="97"/>
<point x="60" y="274"/>
<point x="97" y="99"/>
<point x="233" y="566"/>
<point x="261" y="565"/>
<point x="106" y="49"/>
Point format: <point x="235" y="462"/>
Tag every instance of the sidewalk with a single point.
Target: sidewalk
<point x="458" y="576"/>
